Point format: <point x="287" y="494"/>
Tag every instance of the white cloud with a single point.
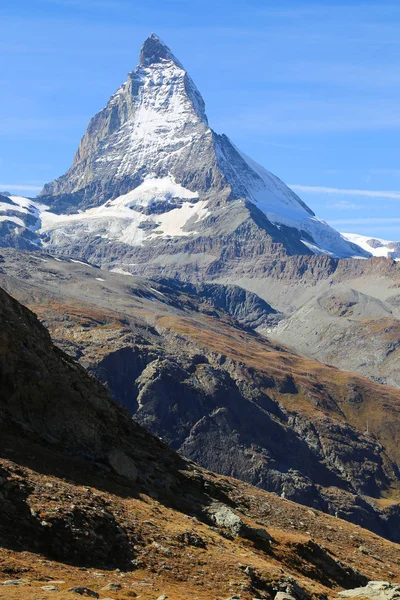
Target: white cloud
<point x="316" y="189"/>
<point x="345" y="205"/>
<point x="89" y="4"/>
<point x="22" y="187"/>
<point x="394" y="172"/>
<point x="365" y="221"/>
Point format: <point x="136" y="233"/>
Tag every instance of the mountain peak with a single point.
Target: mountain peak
<point x="153" y="139"/>
<point x="154" y="50"/>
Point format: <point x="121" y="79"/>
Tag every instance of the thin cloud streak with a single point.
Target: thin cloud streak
<point x="346" y="205"/>
<point x="22" y="186"/>
<point x="394" y="172"/>
<point x="364" y="221"/>
<point x="316" y="189"/>
<point x="89" y="4"/>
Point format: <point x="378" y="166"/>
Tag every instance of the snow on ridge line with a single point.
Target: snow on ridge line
<point x="28" y="204"/>
<point x="25" y="208"/>
<point x="120" y="271"/>
<point x="282" y="206"/>
<point x="376" y="246"/>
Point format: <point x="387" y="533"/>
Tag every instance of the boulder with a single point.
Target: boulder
<point x="84" y="591"/>
<point x="112" y="586"/>
<point x="122" y="464"/>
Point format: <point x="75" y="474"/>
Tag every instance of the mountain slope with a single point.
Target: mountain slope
<point x="151" y="179"/>
<point x="344" y="313"/>
<point x="89" y="499"/>
<point x="220" y="394"/>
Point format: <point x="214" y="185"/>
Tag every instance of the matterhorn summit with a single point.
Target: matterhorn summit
<point x="154" y="190"/>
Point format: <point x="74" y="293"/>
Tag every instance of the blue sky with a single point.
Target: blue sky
<point x="309" y="89"/>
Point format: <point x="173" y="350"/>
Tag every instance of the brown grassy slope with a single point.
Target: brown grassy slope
<point x="316" y="552"/>
<point x="67" y="517"/>
<point x="321" y="389"/>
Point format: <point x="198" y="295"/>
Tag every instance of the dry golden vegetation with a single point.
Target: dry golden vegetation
<point x="315" y="550"/>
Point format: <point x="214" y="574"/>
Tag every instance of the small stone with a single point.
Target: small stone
<point x="50" y="588"/>
<point x="84" y="591"/>
<point x="136" y="564"/>
<point x="162" y="597"/>
<point x="188" y="538"/>
<point x="284" y="596"/>
<point x="160" y="548"/>
<point x="112" y="586"/>
<point x="13" y="582"/>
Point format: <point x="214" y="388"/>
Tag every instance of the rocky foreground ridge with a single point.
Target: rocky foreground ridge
<point x="93" y="505"/>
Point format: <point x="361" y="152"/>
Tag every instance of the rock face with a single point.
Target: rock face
<point x="247" y="308"/>
<point x="348" y="317"/>
<point x="379" y="590"/>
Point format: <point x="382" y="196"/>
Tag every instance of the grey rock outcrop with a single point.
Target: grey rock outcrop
<point x="376" y="590"/>
<point x="248" y="308"/>
<point x="122" y="464"/>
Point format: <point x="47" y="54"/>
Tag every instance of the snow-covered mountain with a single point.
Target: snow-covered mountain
<point x="20" y="222"/>
<point x="376" y="246"/>
<point x="154" y="189"/>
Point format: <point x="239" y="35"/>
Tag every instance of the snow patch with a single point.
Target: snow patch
<point x="376" y="246"/>
<point x="157" y="292"/>
<point x="15" y="220"/>
<point x="153" y="190"/>
<point x="121" y="271"/>
<point x="173" y="222"/>
<point x="117" y="220"/>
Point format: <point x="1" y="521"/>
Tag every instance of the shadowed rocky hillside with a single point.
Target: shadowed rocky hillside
<point x="85" y="490"/>
<point x="221" y="394"/>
